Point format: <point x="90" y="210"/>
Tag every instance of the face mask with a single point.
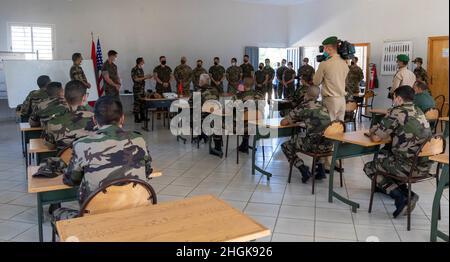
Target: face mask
<point x="326" y="55"/>
<point x="267" y="64"/>
<point x="245" y="61"/>
<point x="183" y="62"/>
<point x="199" y="65"/>
<point x="141" y="66"/>
<point x="216" y="63"/>
<point x="233" y="64"/>
<point x="261" y="67"/>
<point x="283" y="64"/>
<point x="163" y="62"/>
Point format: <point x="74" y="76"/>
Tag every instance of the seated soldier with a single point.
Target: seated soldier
<point x="76" y="122"/>
<point x="210" y="93"/>
<point x="53" y="106"/>
<point x="249" y="94"/>
<point x="34" y="98"/>
<point x="409" y="129"/>
<point x="423" y="99"/>
<point x="109" y="154"/>
<point x="317" y="119"/>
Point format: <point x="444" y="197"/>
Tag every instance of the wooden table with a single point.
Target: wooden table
<point x="446" y="130"/>
<point x="27" y="133"/>
<point x="48" y="191"/>
<point x="198" y="219"/>
<point x="40" y="150"/>
<point x="443" y="184"/>
<point x="275" y="130"/>
<point x="155" y="103"/>
<point x="349" y="145"/>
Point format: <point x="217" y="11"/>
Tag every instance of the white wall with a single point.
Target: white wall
<point x="373" y="21"/>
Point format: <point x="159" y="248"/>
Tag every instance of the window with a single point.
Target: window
<point x="34" y="39"/>
<point x="312" y="52"/>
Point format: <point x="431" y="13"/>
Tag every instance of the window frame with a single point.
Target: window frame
<point x="24" y="24"/>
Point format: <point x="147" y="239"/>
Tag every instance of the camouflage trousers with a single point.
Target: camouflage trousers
<point x="260" y="88"/>
<point x="294" y="146"/>
<point x="387" y="163"/>
<point x="220" y="87"/>
<point x="111" y="91"/>
<point x="289" y="90"/>
<point x="233" y="88"/>
<point x="160" y="89"/>
<point x="138" y="105"/>
<point x="269" y="90"/>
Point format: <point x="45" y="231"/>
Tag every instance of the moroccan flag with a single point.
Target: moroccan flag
<point x="180" y="89"/>
<point x="94" y="61"/>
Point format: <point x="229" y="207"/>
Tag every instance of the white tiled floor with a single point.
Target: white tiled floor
<point x="289" y="210"/>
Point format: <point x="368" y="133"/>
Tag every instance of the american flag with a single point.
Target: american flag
<point x="99" y="68"/>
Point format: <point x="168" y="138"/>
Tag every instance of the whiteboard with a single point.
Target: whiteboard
<point x="7" y="55"/>
<point x="21" y="76"/>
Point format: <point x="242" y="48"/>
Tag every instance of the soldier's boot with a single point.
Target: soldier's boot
<point x="244" y="146"/>
<point x="320" y="172"/>
<point x="414" y="197"/>
<point x="401" y="202"/>
<point x="217" y="150"/>
<point x="137" y="118"/>
<point x="306" y="174"/>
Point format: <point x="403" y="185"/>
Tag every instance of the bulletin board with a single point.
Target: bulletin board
<point x="390" y="52"/>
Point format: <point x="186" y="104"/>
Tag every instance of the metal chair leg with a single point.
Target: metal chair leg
<point x="372" y="191"/>
<point x="437" y="183"/>
<point x="340" y="173"/>
<point x="313" y="173"/>
<point x="237" y="150"/>
<point x="226" y="146"/>
<point x="291" y="165"/>
<point x="409" y="206"/>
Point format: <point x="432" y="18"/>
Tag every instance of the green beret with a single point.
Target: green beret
<point x="403" y="58"/>
<point x="330" y="41"/>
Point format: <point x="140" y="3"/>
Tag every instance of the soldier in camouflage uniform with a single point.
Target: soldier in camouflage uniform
<point x="76" y="122"/>
<point x="217" y="74"/>
<point x="183" y="76"/>
<point x="408" y="128"/>
<point x="110" y="154"/>
<point x="234" y="75"/>
<point x="76" y="71"/>
<point x="270" y="72"/>
<point x="138" y="76"/>
<point x="420" y="72"/>
<point x="209" y="93"/>
<point x="248" y="94"/>
<point x="111" y="75"/>
<point x="280" y="74"/>
<point x="354" y="78"/>
<point x="247" y="69"/>
<point x="317" y="119"/>
<point x="289" y="81"/>
<point x="49" y="108"/>
<point x="261" y="79"/>
<point x="305" y="71"/>
<point x="34" y="98"/>
<point x="196" y="73"/>
<point x="162" y="76"/>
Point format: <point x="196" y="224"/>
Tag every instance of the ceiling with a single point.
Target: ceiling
<point x="275" y="2"/>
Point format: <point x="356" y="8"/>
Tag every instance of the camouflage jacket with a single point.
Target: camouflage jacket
<point x="421" y="74"/>
<point x="249" y="95"/>
<point x="247" y="70"/>
<point x="306" y="72"/>
<point x="77" y="73"/>
<point x="138" y="72"/>
<point x="111" y="153"/>
<point x="209" y="93"/>
<point x="299" y="95"/>
<point x="234" y="74"/>
<point x="354" y="78"/>
<point x="196" y="73"/>
<point x="288" y="75"/>
<point x="63" y="130"/>
<point x="269" y="71"/>
<point x="163" y="73"/>
<point x="217" y="72"/>
<point x="46" y="110"/>
<point x="111" y="69"/>
<point x="34" y="98"/>
<point x="316" y="118"/>
<point x="409" y="129"/>
<point x="183" y="75"/>
<point x="280" y="72"/>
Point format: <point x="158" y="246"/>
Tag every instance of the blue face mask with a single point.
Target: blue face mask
<point x="326" y="55"/>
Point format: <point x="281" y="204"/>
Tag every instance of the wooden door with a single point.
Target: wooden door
<point x="438" y="66"/>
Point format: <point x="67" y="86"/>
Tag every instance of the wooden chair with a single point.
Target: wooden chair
<point x="434" y="146"/>
<point x="440" y="102"/>
<point x="432" y="116"/>
<point x="369" y="96"/>
<point x="120" y="194"/>
<point x="336" y="127"/>
<point x="66" y="154"/>
<point x="351" y="111"/>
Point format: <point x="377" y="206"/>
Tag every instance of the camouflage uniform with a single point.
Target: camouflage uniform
<point x="306" y="72"/>
<point x="196" y="73"/>
<point x="260" y="78"/>
<point x="280" y="87"/>
<point x="317" y="119"/>
<point x="244" y="97"/>
<point x="112" y="153"/>
<point x="164" y="74"/>
<point x="289" y="89"/>
<point x="354" y="78"/>
<point x="233" y="78"/>
<point x="63" y="130"/>
<point x="183" y="75"/>
<point x="217" y="72"/>
<point x="247" y="70"/>
<point x="34" y="98"/>
<point x="77" y="73"/>
<point x="111" y="69"/>
<point x="211" y="93"/>
<point x="299" y="95"/>
<point x="46" y="110"/>
<point x="138" y="89"/>
<point x="409" y="129"/>
<point x="421" y="74"/>
<point x="268" y="70"/>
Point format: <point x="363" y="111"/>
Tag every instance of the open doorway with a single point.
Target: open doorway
<point x="363" y="54"/>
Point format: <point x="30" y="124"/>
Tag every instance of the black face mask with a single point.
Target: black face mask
<point x="245" y="61"/>
<point x="163" y="62"/>
<point x="261" y="68"/>
<point x="216" y="63"/>
<point x="199" y="65"/>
